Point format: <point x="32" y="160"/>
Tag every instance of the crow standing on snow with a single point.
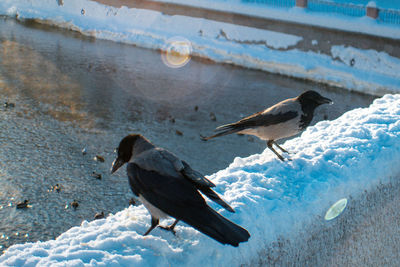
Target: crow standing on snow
<point x="168" y="186"/>
<point x="283" y="119"/>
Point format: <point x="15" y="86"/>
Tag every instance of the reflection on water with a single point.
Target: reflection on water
<point x="24" y="68"/>
<point x="73" y="92"/>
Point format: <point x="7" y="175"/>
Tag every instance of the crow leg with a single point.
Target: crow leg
<point x="154" y="223"/>
<point x="269" y="145"/>
<point x="281" y="148"/>
<point x="170" y="227"/>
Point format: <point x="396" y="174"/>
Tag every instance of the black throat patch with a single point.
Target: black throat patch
<point x="307" y="107"/>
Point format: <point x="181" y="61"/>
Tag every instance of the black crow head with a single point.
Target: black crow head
<point x="309" y="100"/>
<point x="125" y="150"/>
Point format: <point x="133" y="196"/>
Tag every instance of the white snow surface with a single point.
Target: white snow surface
<point x="371" y="4"/>
<point x="222" y="42"/>
<point x="330" y="161"/>
<point x="368" y="61"/>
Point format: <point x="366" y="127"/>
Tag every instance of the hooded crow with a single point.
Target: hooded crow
<point x="168" y="186"/>
<point x="284" y="119"/>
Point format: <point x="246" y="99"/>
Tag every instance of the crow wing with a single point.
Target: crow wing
<point x="204" y="185"/>
<point x="279" y="113"/>
<point x="180" y="199"/>
<point x="261" y="119"/>
<point x="174" y="196"/>
<point x="167" y="164"/>
<point x="195" y="176"/>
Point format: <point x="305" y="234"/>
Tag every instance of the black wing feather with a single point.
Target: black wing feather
<point x="179" y="198"/>
<point x="175" y="191"/>
<point x="260" y="119"/>
<point x="255" y="120"/>
<point x="195" y="176"/>
<point x="203" y="184"/>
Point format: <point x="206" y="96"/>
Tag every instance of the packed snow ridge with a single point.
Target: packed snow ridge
<point x="275" y="52"/>
<point x="330" y="161"/>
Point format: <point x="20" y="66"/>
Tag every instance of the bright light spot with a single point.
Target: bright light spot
<point x="336" y="209"/>
<point x="176" y="52"/>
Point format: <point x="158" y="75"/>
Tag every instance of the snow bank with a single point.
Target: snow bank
<point x="133" y="25"/>
<point x="299" y="15"/>
<point x="222" y="42"/>
<point x="330" y="161"/>
<point x="368" y="60"/>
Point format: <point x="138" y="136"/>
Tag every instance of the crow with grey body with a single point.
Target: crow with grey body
<point x="284" y="119"/>
<point x="168" y="186"/>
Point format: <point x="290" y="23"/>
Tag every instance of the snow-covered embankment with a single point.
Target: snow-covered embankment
<point x="281" y="204"/>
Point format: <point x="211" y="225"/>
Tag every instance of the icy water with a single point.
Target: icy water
<point x="72" y="93"/>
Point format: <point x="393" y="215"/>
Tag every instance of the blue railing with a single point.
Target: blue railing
<point x="332" y="7"/>
<point x="390" y="16"/>
<point x="275" y="3"/>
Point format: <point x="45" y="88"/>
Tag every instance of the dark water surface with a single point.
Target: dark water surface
<point x="73" y="92"/>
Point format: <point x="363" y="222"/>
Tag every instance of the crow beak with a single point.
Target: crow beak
<point x="325" y="100"/>
<point x="116" y="165"/>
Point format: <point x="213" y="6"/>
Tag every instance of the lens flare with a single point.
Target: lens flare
<point x="176" y="52"/>
<point x="336" y="209"/>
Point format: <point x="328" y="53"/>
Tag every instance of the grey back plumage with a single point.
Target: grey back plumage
<point x="159" y="160"/>
<point x="279" y="113"/>
<point x="281" y="120"/>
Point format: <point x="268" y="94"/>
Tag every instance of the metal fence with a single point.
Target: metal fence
<point x="340" y="8"/>
<point x="275" y="3"/>
<point x="389" y="16"/>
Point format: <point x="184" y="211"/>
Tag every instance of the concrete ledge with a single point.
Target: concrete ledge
<point x="366" y="234"/>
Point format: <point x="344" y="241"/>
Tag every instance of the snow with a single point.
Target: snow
<point x="302" y="16"/>
<point x="102" y="21"/>
<point x="271" y="198"/>
<point x="330" y="161"/>
<point x="367" y="60"/>
<point x="371" y="4"/>
<point x="222" y="42"/>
